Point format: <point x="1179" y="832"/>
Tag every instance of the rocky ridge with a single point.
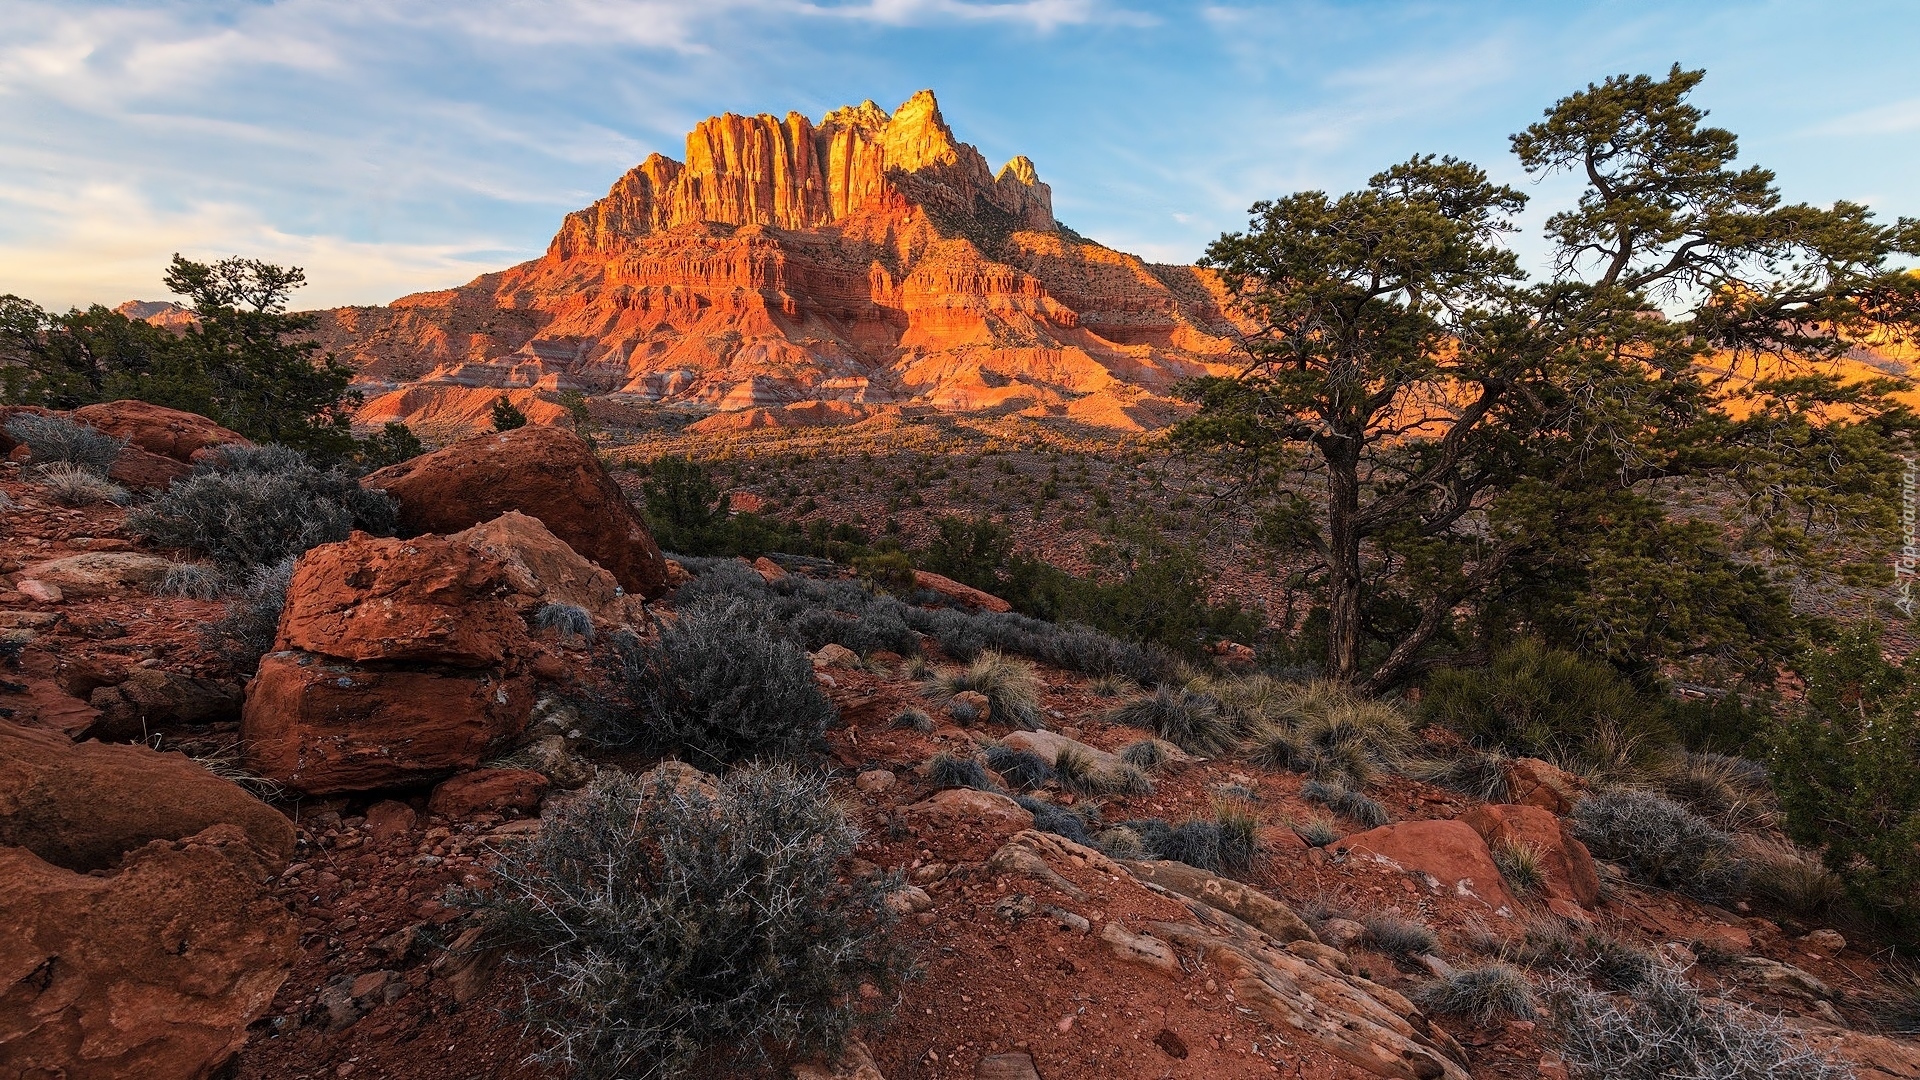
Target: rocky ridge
<point x="871" y="259"/>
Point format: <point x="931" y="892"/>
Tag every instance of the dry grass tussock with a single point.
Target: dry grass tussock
<point x="1010" y="685"/>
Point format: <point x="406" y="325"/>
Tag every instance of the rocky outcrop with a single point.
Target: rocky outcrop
<point x="1287" y="980"/>
<point x="1450" y="852"/>
<point x="965" y="595"/>
<point x="137" y="936"/>
<point x="542" y="472"/>
<point x="156" y="429"/>
<point x="1566" y="868"/>
<point x="788" y="272"/>
<point x="153" y="971"/>
<point x="81" y="806"/>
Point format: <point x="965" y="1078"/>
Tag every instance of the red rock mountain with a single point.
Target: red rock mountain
<point x="869" y="260"/>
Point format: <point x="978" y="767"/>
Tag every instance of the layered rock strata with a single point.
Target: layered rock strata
<point x="871" y="259"/>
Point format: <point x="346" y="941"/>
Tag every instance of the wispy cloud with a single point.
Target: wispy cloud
<point x="1893" y="118"/>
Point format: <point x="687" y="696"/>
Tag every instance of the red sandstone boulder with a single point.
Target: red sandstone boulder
<point x="488" y="791"/>
<point x="431" y="600"/>
<point x="321" y="726"/>
<point x="553" y="570"/>
<point x="152" y="971"/>
<point x="137" y="469"/>
<point x="963" y="594"/>
<point x="1564" y="861"/>
<point x="80" y="806"/>
<point x="1449" y="851"/>
<point x="543" y="472"/>
<point x="157" y="430"/>
<point x="1533" y="782"/>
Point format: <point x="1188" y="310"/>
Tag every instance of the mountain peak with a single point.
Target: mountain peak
<point x="788" y="173"/>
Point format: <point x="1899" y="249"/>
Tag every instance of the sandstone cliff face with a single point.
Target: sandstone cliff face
<point x="869" y="259"/>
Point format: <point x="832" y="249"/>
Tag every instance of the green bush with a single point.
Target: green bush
<point x="1844" y="767"/>
<point x="662" y="932"/>
<point x="255" y="506"/>
<point x="722" y="686"/>
<point x="1548" y="703"/>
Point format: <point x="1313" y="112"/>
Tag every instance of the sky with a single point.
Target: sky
<point x="392" y="146"/>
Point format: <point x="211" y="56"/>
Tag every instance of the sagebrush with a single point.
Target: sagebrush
<point x="662" y="932"/>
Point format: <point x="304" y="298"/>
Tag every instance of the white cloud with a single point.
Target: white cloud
<point x="105" y="242"/>
<point x="1893" y="118"/>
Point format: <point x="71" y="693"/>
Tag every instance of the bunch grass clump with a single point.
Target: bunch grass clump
<point x="79" y="485"/>
<point x="1327" y="731"/>
<point x="1347" y="802"/>
<point x="1146" y="754"/>
<point x="952" y="771"/>
<point x="1318" y="831"/>
<point x="1520" y="865"/>
<point x="913" y="719"/>
<point x="1485" y="995"/>
<point x="568" y="622"/>
<point x="195" y="581"/>
<point x="1078" y="772"/>
<point x="664" y="932"/>
<point x="1399" y="938"/>
<point x="1023" y="769"/>
<point x="1011" y="688"/>
<point x="1193" y="721"/>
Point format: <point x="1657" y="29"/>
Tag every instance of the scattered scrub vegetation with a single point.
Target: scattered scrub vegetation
<point x="659" y="930"/>
<point x="195" y="581"/>
<point x="1318" y="831"/>
<point x="1844" y="766"/>
<point x="1549" y="703"/>
<point x="252" y="622"/>
<point x="1146" y="754"/>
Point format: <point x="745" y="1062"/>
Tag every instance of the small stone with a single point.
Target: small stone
<point x="874" y="781"/>
<point x="968" y="706"/>
<point x="40" y="591"/>
<point x="388" y="819"/>
<point x="1143" y="949"/>
<point x="1011" y="1066"/>
<point x="908" y="900"/>
<point x="1341" y="933"/>
<point x="835" y="655"/>
<point x="1828" y="941"/>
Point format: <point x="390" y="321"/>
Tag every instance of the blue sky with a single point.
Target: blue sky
<point x="395" y="146"/>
